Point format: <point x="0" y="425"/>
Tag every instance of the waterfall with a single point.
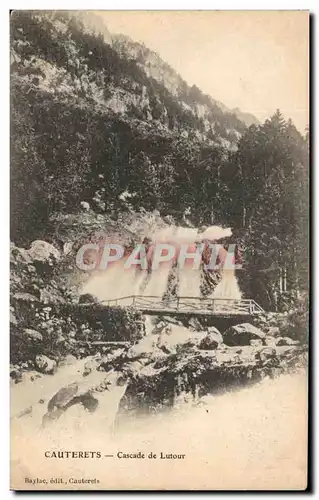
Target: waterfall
<point x="116" y="281"/>
<point x="188" y="282"/>
<point x="228" y="286"/>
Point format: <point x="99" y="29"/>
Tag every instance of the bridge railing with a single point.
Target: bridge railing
<point x="189" y="304"/>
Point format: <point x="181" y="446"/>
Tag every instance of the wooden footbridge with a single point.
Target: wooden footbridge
<point x="187" y="306"/>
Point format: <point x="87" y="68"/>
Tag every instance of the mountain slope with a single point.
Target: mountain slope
<point x="191" y="98"/>
<point x="118" y="75"/>
<point x="90" y="122"/>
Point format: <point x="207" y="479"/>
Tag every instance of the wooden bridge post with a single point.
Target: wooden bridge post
<point x="251" y="307"/>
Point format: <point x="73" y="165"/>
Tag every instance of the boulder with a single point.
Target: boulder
<point x="86" y="298"/>
<point x="270" y="341"/>
<point x="133" y="367"/>
<point x="51" y="417"/>
<point x="51" y="295"/>
<point x="25" y="297"/>
<point x="160" y="326"/>
<point x="33" y="335"/>
<point x="143" y="348"/>
<point x="85" y="206"/>
<point x="25" y="411"/>
<point x="45" y="364"/>
<point x="13" y="319"/>
<point x="286" y="341"/>
<point x="43" y="251"/>
<point x="212" y="340"/>
<point x="242" y="334"/>
<point x="91" y="365"/>
<point x="266" y="353"/>
<point x="195" y="324"/>
<point x="255" y="342"/>
<point x="172" y="320"/>
<point x="213" y="329"/>
<point x="63" y="397"/>
<point x="273" y="330"/>
<point x="228" y="356"/>
<point x="68" y="360"/>
<point x="174" y="337"/>
<point x="31" y="376"/>
<point x="16" y="374"/>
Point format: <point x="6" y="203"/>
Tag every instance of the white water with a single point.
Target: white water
<point x="158" y="280"/>
<point x="227" y="287"/>
<point x="117" y="282"/>
<point x="254" y="438"/>
<point x="114" y="282"/>
<point x="188" y="282"/>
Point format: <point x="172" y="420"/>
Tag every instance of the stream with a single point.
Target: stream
<point x="257" y="433"/>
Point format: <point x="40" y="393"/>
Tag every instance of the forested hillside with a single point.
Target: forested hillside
<point x="102" y="120"/>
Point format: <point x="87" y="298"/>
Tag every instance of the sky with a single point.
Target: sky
<point x="254" y="60"/>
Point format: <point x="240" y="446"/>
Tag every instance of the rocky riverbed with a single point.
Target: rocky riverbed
<point x="119" y="383"/>
<point x="173" y="365"/>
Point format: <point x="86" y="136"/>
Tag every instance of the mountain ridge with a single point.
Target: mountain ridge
<point x="144" y="56"/>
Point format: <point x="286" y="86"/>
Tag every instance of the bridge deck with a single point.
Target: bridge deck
<point x="155" y="305"/>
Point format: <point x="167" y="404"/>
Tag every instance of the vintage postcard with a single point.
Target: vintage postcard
<point x="159" y="250"/>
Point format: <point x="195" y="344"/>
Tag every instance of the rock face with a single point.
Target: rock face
<point x="45" y="364"/>
<point x="242" y="334"/>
